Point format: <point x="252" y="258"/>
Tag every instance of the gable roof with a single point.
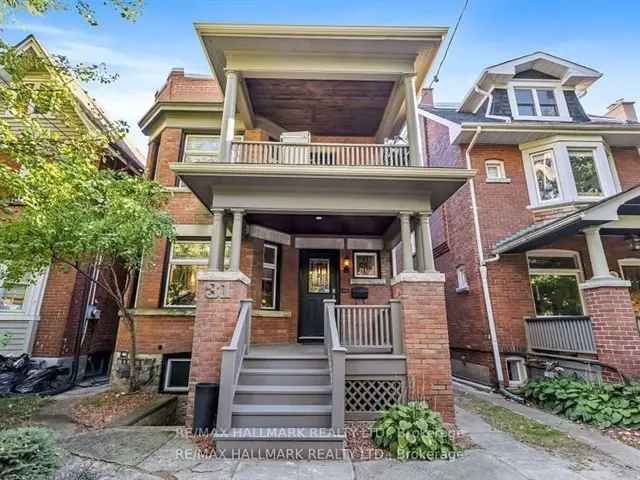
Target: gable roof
<point x="88" y="110"/>
<point x="569" y="73"/>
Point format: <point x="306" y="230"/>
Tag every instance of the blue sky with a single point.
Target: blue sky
<point x="597" y="33"/>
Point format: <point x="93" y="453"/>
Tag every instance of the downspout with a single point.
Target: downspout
<point x="483" y="267"/>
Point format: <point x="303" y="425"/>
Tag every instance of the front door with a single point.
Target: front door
<point x="318" y="281"/>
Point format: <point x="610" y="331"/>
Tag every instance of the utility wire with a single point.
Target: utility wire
<point x="436" y="78"/>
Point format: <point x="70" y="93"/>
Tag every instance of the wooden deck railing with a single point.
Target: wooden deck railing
<point x="560" y="334"/>
<point x="332" y="154"/>
<point x="369" y="328"/>
<point x="336" y="354"/>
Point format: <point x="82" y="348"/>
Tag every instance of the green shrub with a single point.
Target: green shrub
<point x="17" y="410"/>
<point x="28" y="454"/>
<point x="600" y="404"/>
<point x="413" y="432"/>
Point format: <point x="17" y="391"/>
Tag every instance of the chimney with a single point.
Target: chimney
<point x="426" y="98"/>
<point x="622" y="110"/>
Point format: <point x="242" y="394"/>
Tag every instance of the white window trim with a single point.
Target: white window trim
<point x="502" y="177"/>
<point x="627" y="262"/>
<point x="560" y="146"/>
<point x="190" y="261"/>
<point x="461" y="279"/>
<point x="522" y="371"/>
<point x="535" y="85"/>
<point x="357" y="254"/>
<point x="167" y="371"/>
<point x="274" y="267"/>
<point x="577" y="272"/>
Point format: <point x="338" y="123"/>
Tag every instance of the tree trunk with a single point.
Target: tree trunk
<point x="134" y="384"/>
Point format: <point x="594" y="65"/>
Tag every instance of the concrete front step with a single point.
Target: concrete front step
<point x="283" y="394"/>
<point x="284" y="376"/>
<point x="274" y="443"/>
<point x="247" y="415"/>
<point x="285" y="361"/>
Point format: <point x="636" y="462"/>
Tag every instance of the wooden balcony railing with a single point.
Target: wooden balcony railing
<point x="560" y="334"/>
<point x="333" y="154"/>
<point x="369" y="328"/>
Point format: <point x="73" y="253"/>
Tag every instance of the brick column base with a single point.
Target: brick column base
<point x="217" y="306"/>
<point x="426" y="340"/>
<point x="614" y="325"/>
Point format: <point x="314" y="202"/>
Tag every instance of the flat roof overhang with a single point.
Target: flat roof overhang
<point x="281" y="65"/>
<point x="321" y="189"/>
<point x="616" y="215"/>
<point x="516" y="134"/>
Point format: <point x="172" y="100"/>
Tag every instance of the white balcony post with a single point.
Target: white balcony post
<point x="216" y="247"/>
<point x="228" y="125"/>
<point x="424" y="245"/>
<point x="413" y="121"/>
<point x="236" y="239"/>
<point x="599" y="265"/>
<point x="405" y="237"/>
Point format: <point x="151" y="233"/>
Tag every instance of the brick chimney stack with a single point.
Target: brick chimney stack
<point x="426" y="98"/>
<point x="623" y="110"/>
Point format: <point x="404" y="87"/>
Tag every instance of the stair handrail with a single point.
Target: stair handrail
<point x="232" y="356"/>
<point x="336" y="354"/>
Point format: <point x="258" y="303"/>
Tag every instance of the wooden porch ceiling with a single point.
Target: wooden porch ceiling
<point x="323" y="107"/>
<point x="328" y="225"/>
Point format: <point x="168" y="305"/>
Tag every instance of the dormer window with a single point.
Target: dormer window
<point x="534" y="101"/>
<point x="524" y="99"/>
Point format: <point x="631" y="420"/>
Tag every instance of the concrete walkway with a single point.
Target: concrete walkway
<point x="159" y="453"/>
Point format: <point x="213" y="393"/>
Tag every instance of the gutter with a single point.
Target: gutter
<point x="483" y="268"/>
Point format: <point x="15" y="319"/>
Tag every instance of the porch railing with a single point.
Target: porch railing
<point x="560" y="334"/>
<point x="332" y="154"/>
<point x="370" y="328"/>
<point x="336" y="354"/>
<point x="232" y="356"/>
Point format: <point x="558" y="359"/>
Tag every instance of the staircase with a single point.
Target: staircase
<point x="282" y="400"/>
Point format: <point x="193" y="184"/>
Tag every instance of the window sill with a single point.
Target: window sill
<point x="177" y="189"/>
<point x="536" y="118"/>
<point x="368" y="281"/>
<point x="164" y="312"/>
<point x="462" y="290"/>
<point x="564" y="203"/>
<point x="498" y="180"/>
<point x="271" y="313"/>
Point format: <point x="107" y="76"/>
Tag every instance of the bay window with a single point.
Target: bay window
<point x="585" y="173"/>
<point x="545" y="172"/>
<point x="554" y="278"/>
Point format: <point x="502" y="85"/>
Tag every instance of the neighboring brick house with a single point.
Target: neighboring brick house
<point x="49" y="318"/>
<point x="290" y="188"/>
<point x="541" y="250"/>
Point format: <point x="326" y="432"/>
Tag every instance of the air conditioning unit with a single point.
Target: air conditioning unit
<point x="296" y="137"/>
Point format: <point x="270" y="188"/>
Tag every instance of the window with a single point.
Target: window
<point x="516" y="371"/>
<point x="176" y="373"/>
<point x="536" y="102"/>
<point x="319" y="275"/>
<point x="186" y="259"/>
<point x="461" y="277"/>
<point x="585" y="173"/>
<point x="365" y="265"/>
<point x="554" y="278"/>
<point x="200" y="148"/>
<point x="546" y="178"/>
<point x="269" y="277"/>
<point x="495" y="170"/>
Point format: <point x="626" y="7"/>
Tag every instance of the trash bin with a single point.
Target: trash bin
<point x="205" y="408"/>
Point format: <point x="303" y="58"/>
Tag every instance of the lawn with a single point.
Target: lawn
<point x="16" y="411"/>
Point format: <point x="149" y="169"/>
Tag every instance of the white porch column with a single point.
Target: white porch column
<point x="236" y="239"/>
<point x="424" y="244"/>
<point x="413" y="122"/>
<point x="216" y="247"/>
<point x="599" y="265"/>
<point x="228" y="126"/>
<point x="405" y="237"/>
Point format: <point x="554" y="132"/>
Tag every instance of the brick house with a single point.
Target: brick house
<point x="540" y="250"/>
<point x="61" y="314"/>
<point x="302" y="278"/>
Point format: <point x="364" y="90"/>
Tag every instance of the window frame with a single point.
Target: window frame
<point x="369" y="253"/>
<point x="554" y="162"/>
<point x="166" y="371"/>
<point x="521" y="368"/>
<point x="502" y="176"/>
<point x="534" y="86"/>
<point x="595" y="164"/>
<point x="462" y="282"/>
<point x="560" y="146"/>
<point x="577" y="272"/>
<point x="276" y="275"/>
<point x="170" y="263"/>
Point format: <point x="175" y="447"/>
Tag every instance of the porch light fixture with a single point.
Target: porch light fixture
<point x="633" y="242"/>
<point x="346" y="265"/>
<point x="318" y="218"/>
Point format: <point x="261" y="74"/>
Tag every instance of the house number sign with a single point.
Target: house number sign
<point x="217" y="290"/>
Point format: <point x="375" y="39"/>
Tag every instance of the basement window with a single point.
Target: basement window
<point x="516" y="371"/>
<point x="176" y="373"/>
